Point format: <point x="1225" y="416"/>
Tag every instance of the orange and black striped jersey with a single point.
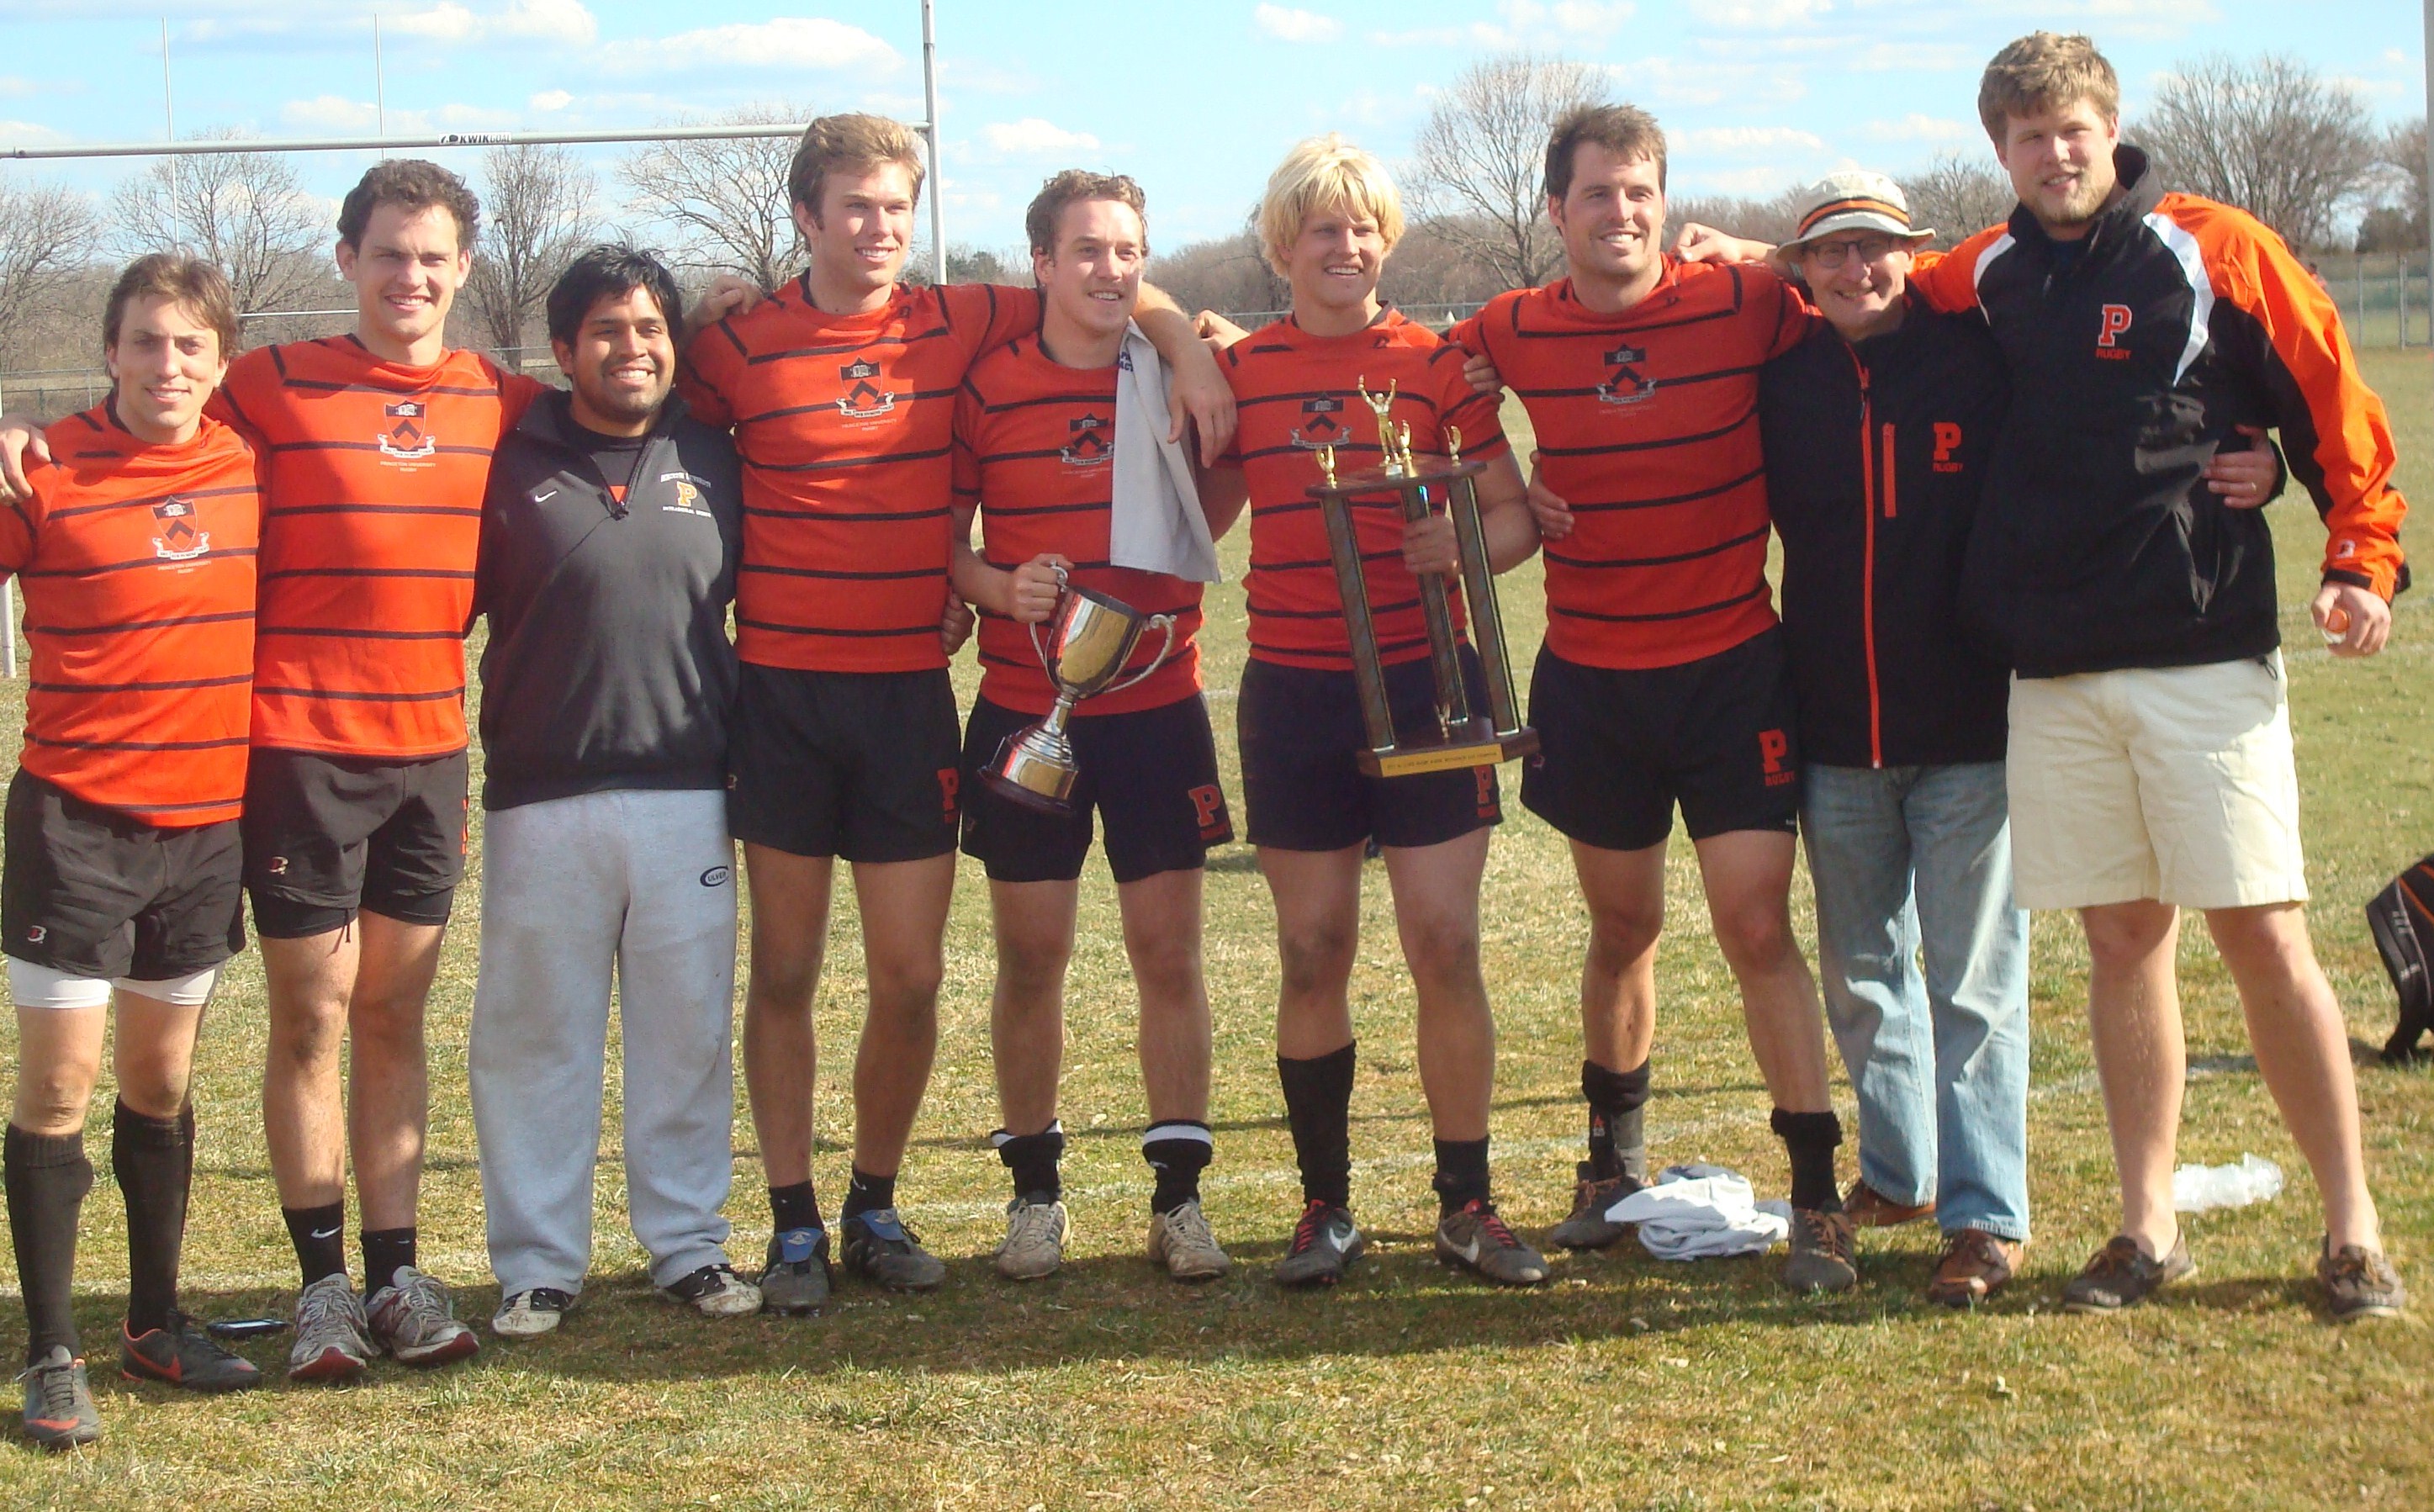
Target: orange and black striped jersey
<point x="2134" y="353"/>
<point x="372" y="481"/>
<point x="1648" y="426"/>
<point x="1294" y="393"/>
<point x="844" y="423"/>
<point x="138" y="567"/>
<point x="1035" y="450"/>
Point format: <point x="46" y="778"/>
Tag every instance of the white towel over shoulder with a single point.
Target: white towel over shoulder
<point x="1155" y="524"/>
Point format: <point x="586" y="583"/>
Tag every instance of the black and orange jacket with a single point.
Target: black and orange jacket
<point x="845" y="424"/>
<point x="138" y="567"/>
<point x="1647" y="426"/>
<point x="1876" y="454"/>
<point x="372" y="481"/>
<point x="1293" y="393"/>
<point x="2134" y="355"/>
<point x="1034" y="453"/>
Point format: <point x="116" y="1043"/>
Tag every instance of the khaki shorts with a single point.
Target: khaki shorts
<point x="2171" y="784"/>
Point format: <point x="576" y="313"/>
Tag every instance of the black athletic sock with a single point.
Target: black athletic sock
<point x="154" y="1162"/>
<point x="387" y="1251"/>
<point x="869" y="1193"/>
<point x="1178" y="1149"/>
<point x="1810" y="1139"/>
<point x="320" y="1235"/>
<point x="1618" y="1101"/>
<point x="1033" y="1159"/>
<point x="793" y="1207"/>
<point x="47" y="1177"/>
<point x="1462" y="1173"/>
<point x="1318" y="1106"/>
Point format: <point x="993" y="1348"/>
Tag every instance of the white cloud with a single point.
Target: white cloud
<point x="548" y="20"/>
<point x="1768" y="15"/>
<point x="1285" y="23"/>
<point x="1917" y="128"/>
<point x="1738" y="139"/>
<point x="335" y="112"/>
<point x="1032" y="137"/>
<point x="1576" y="18"/>
<point x="330" y="113"/>
<point x="28" y="134"/>
<point x="551" y="99"/>
<point x="787" y="43"/>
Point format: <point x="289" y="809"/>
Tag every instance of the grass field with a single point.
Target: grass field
<point x="1625" y="1383"/>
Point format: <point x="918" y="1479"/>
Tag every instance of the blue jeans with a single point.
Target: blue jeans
<point x="1913" y="861"/>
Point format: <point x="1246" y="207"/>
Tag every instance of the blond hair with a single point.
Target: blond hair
<point x="1326" y="173"/>
<point x="2046" y="71"/>
<point x="859" y="142"/>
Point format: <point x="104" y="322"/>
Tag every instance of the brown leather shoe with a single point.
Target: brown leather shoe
<point x="1975" y="1266"/>
<point x="1871" y="1209"/>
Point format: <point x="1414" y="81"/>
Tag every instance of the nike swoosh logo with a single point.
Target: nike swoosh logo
<point x="323" y="1233"/>
<point x="1471" y="1251"/>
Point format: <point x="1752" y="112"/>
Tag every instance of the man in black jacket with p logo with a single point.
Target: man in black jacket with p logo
<point x="608" y="555"/>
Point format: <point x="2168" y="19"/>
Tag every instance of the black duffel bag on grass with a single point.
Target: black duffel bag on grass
<point x="2402" y="920"/>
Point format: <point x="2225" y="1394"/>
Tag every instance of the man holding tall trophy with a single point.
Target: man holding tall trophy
<point x="1092" y="533"/>
<point x="1344" y="673"/>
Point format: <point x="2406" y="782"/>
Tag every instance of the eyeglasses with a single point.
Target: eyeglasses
<point x="1869" y="249"/>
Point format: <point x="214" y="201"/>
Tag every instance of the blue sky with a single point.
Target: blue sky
<point x="1196" y="100"/>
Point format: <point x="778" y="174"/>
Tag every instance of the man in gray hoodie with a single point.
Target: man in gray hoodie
<point x="608" y="549"/>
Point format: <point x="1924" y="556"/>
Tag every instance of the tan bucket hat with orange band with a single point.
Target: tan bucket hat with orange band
<point x="1855" y="200"/>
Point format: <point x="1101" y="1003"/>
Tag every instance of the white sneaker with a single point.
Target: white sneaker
<point x="1182" y="1243"/>
<point x="1035" y="1240"/>
<point x="415" y="1319"/>
<point x="332" y="1340"/>
<point x="715" y="1291"/>
<point x="531" y="1313"/>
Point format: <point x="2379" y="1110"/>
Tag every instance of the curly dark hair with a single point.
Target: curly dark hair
<point x="415" y="184"/>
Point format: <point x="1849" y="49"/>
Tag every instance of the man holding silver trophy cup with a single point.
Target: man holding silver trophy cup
<point x="1087" y="584"/>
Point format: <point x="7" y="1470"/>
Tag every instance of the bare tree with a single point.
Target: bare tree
<point x="1773" y="219"/>
<point x="536" y="216"/>
<point x="1477" y="169"/>
<point x="247" y="212"/>
<point x="725" y="200"/>
<point x="48" y="233"/>
<point x="2270" y="135"/>
<point x="1959" y="197"/>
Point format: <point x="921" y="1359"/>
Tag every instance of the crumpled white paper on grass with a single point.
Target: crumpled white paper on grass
<point x="1703" y="1212"/>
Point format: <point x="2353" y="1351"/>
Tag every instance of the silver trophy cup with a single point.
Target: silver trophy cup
<point x="1090" y="639"/>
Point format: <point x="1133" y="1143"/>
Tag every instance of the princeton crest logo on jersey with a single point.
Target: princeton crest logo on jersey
<point x="178" y="541"/>
<point x="1626" y="385"/>
<point x="406" y="439"/>
<point x="864" y="400"/>
<point x="1319" y="425"/>
<point x="1090" y="446"/>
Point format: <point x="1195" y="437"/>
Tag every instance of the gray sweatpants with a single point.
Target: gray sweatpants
<point x="643" y="881"/>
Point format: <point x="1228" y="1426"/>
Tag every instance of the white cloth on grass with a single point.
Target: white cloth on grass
<point x="1703" y="1212"/>
<point x="640" y="883"/>
<point x="1154" y="524"/>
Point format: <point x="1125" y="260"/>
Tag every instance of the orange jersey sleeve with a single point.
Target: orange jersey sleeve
<point x="1948" y="281"/>
<point x="845" y="424"/>
<point x="1294" y="393"/>
<point x="2335" y="430"/>
<point x="374" y="474"/>
<point x="1037" y="439"/>
<point x="138" y="567"/>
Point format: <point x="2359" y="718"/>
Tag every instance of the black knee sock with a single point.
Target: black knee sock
<point x="1462" y="1173"/>
<point x="387" y="1251"/>
<point x="154" y="1162"/>
<point x="1178" y="1149"/>
<point x="869" y="1193"/>
<point x="1318" y="1106"/>
<point x="793" y="1207"/>
<point x="1033" y="1159"/>
<point x="320" y="1235"/>
<point x="1617" y="1100"/>
<point x="1810" y="1139"/>
<point x="48" y="1178"/>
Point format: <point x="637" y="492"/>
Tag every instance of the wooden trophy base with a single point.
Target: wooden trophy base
<point x="1407" y="759"/>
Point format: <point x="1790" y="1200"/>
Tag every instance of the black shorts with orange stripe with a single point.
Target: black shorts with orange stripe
<point x="326" y="835"/>
<point x="1301" y="734"/>
<point x="96" y="893"/>
<point x="863" y="766"/>
<point x="1619" y="748"/>
<point x="1150" y="774"/>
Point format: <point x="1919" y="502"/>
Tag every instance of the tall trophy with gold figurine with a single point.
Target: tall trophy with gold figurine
<point x="1460" y="738"/>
